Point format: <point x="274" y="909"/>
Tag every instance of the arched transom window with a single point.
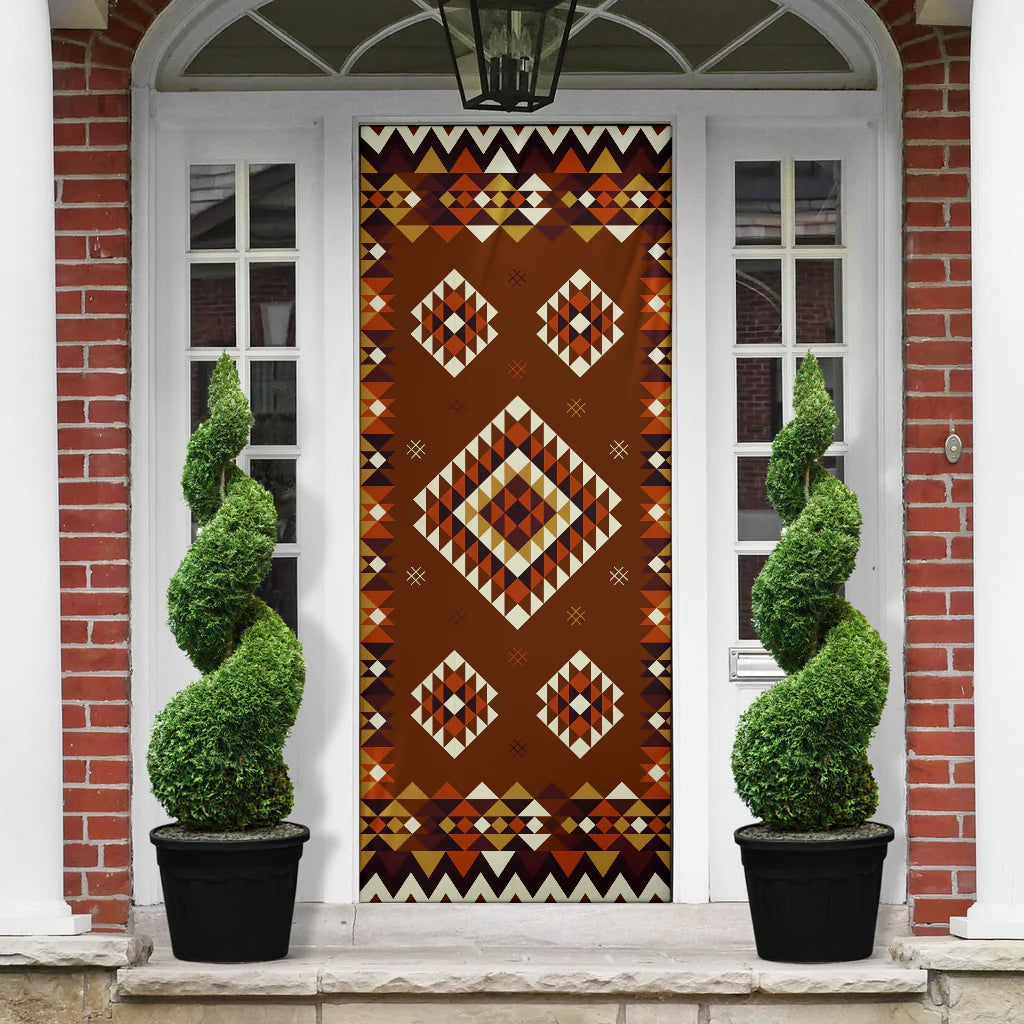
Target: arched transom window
<point x="625" y="43"/>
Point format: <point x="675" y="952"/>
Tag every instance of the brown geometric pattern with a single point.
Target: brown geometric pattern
<point x="515" y="517"/>
<point x="454" y="323"/>
<point x="580" y="323"/>
<point x="580" y="704"/>
<point x="454" y="704"/>
<point x="517" y="512"/>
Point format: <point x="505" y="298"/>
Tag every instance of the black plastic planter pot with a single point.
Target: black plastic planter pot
<point x="813" y="900"/>
<point x="229" y="898"/>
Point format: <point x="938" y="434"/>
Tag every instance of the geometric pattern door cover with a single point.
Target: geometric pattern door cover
<point x="515" y="549"/>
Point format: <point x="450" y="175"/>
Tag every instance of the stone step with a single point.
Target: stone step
<point x="564" y="973"/>
<point x="466" y="985"/>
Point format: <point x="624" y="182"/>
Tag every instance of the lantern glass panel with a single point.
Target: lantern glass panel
<point x="507" y="54"/>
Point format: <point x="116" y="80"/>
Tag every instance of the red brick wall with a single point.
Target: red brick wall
<point x="937" y="361"/>
<point x="91" y="135"/>
<point x="91" y="139"/>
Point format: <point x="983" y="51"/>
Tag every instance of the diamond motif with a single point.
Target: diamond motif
<point x="580" y="704"/>
<point x="580" y="323"/>
<point x="454" y="704"/>
<point x="454" y="323"/>
<point x="517" y="512"/>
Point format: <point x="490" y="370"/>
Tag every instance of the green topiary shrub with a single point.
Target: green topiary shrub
<point x="800" y="757"/>
<point x="215" y="757"/>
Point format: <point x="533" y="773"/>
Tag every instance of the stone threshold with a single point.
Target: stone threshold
<point x="558" y="973"/>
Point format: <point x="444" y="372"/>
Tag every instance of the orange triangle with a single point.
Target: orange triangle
<point x="571" y="164"/>
<point x="463" y="860"/>
<point x="567" y="859"/>
<point x="466" y="164"/>
<point x="447" y="231"/>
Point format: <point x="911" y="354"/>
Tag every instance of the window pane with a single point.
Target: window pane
<point x="199" y="374"/>
<point x="836" y="465"/>
<point x="758" y="399"/>
<point x="272" y="304"/>
<point x="748" y="568"/>
<point x="818" y="213"/>
<point x="758" y="202"/>
<point x="212" y="321"/>
<point x="819" y="302"/>
<point x="272" y="206"/>
<point x="832" y="371"/>
<point x="272" y="395"/>
<point x="759" y="302"/>
<point x="281" y="590"/>
<point x="757" y="520"/>
<point x="278" y="476"/>
<point x="212" y="206"/>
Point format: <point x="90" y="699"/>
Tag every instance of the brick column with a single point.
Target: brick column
<point x="31" y="854"/>
<point x="997" y="153"/>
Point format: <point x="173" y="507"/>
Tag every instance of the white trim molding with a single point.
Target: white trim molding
<point x="998" y="556"/>
<point x="31" y="865"/>
<point x="170" y="129"/>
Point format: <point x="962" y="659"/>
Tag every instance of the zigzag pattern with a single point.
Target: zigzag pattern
<point x="583" y="180"/>
<point x="527" y="878"/>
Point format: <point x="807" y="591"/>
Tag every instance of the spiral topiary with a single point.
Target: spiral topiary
<point x="800" y="757"/>
<point x="215" y="757"/>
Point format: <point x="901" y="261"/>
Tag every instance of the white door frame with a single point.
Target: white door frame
<point x="332" y="120"/>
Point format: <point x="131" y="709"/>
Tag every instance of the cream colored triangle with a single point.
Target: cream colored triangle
<point x="498" y="860"/>
<point x="501" y="164"/>
<point x="621" y="231"/>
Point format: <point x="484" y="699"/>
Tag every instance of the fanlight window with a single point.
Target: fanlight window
<point x="638" y="43"/>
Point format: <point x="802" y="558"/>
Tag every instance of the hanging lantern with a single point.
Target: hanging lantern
<point x="507" y="53"/>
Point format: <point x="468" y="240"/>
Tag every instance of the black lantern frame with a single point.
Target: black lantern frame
<point x="507" y="54"/>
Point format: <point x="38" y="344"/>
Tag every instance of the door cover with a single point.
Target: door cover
<point x="515" y="522"/>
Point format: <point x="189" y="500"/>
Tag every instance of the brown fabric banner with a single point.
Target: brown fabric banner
<point x="515" y="547"/>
